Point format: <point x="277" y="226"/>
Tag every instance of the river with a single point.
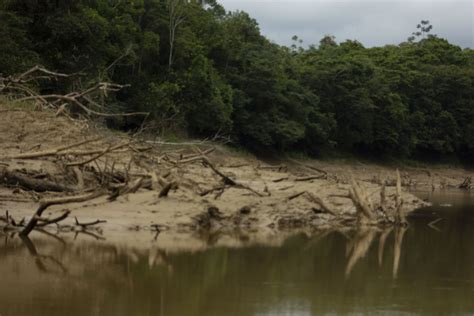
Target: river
<point x="427" y="268"/>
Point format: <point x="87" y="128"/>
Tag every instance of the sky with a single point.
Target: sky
<point x="371" y="22"/>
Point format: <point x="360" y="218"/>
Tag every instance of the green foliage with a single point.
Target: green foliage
<point x="16" y="50"/>
<point x="216" y="73"/>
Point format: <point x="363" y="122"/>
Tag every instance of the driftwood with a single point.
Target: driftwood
<point x="280" y="179"/>
<point x="102" y="153"/>
<point x="15" y="178"/>
<point x="362" y="202"/>
<point x="369" y="214"/>
<point x="38" y="223"/>
<point x="55" y="151"/>
<point x="227" y="180"/>
<point x="44" y="204"/>
<point x="46" y="221"/>
<point x="85" y="225"/>
<point x="132" y="187"/>
<point x="400" y="217"/>
<point x="309" y="178"/>
<point x="316" y="199"/>
<point x="74" y="98"/>
<point x="296" y="195"/>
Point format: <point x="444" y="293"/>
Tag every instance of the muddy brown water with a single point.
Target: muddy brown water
<point x="425" y="269"/>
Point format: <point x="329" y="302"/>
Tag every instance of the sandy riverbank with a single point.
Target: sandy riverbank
<point x="263" y="202"/>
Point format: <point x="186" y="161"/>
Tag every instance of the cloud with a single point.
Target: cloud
<point x="372" y="22"/>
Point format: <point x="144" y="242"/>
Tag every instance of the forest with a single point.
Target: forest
<point x="201" y="71"/>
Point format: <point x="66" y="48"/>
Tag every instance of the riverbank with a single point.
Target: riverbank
<point x="183" y="192"/>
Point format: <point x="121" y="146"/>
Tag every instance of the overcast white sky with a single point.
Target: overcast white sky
<point x="372" y="22"/>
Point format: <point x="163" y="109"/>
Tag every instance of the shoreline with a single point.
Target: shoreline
<point x="191" y="190"/>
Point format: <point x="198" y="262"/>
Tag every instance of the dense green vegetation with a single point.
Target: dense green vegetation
<point x="201" y="70"/>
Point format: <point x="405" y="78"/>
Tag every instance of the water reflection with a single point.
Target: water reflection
<point x="44" y="263"/>
<point x="417" y="270"/>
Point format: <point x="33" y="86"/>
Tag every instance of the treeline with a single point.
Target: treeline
<point x="201" y="70"/>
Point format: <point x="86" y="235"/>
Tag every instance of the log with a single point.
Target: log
<point x="227" y="180"/>
<point x="316" y="199"/>
<point x="295" y="195"/>
<point x="54" y="151"/>
<point x="280" y="179"/>
<point x="15" y="178"/>
<point x="309" y="178"/>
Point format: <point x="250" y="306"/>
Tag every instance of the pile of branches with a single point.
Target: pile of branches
<point x="23" y="87"/>
<point x="367" y="213"/>
<point x="124" y="167"/>
<point x="112" y="170"/>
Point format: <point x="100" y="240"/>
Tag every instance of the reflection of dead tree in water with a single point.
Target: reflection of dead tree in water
<point x="359" y="245"/>
<point x="157" y="257"/>
<point x="399" y="233"/>
<point x="45" y="263"/>
<point x="382" y="240"/>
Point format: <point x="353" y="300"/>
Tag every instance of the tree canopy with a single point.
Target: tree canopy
<point x="201" y="70"/>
